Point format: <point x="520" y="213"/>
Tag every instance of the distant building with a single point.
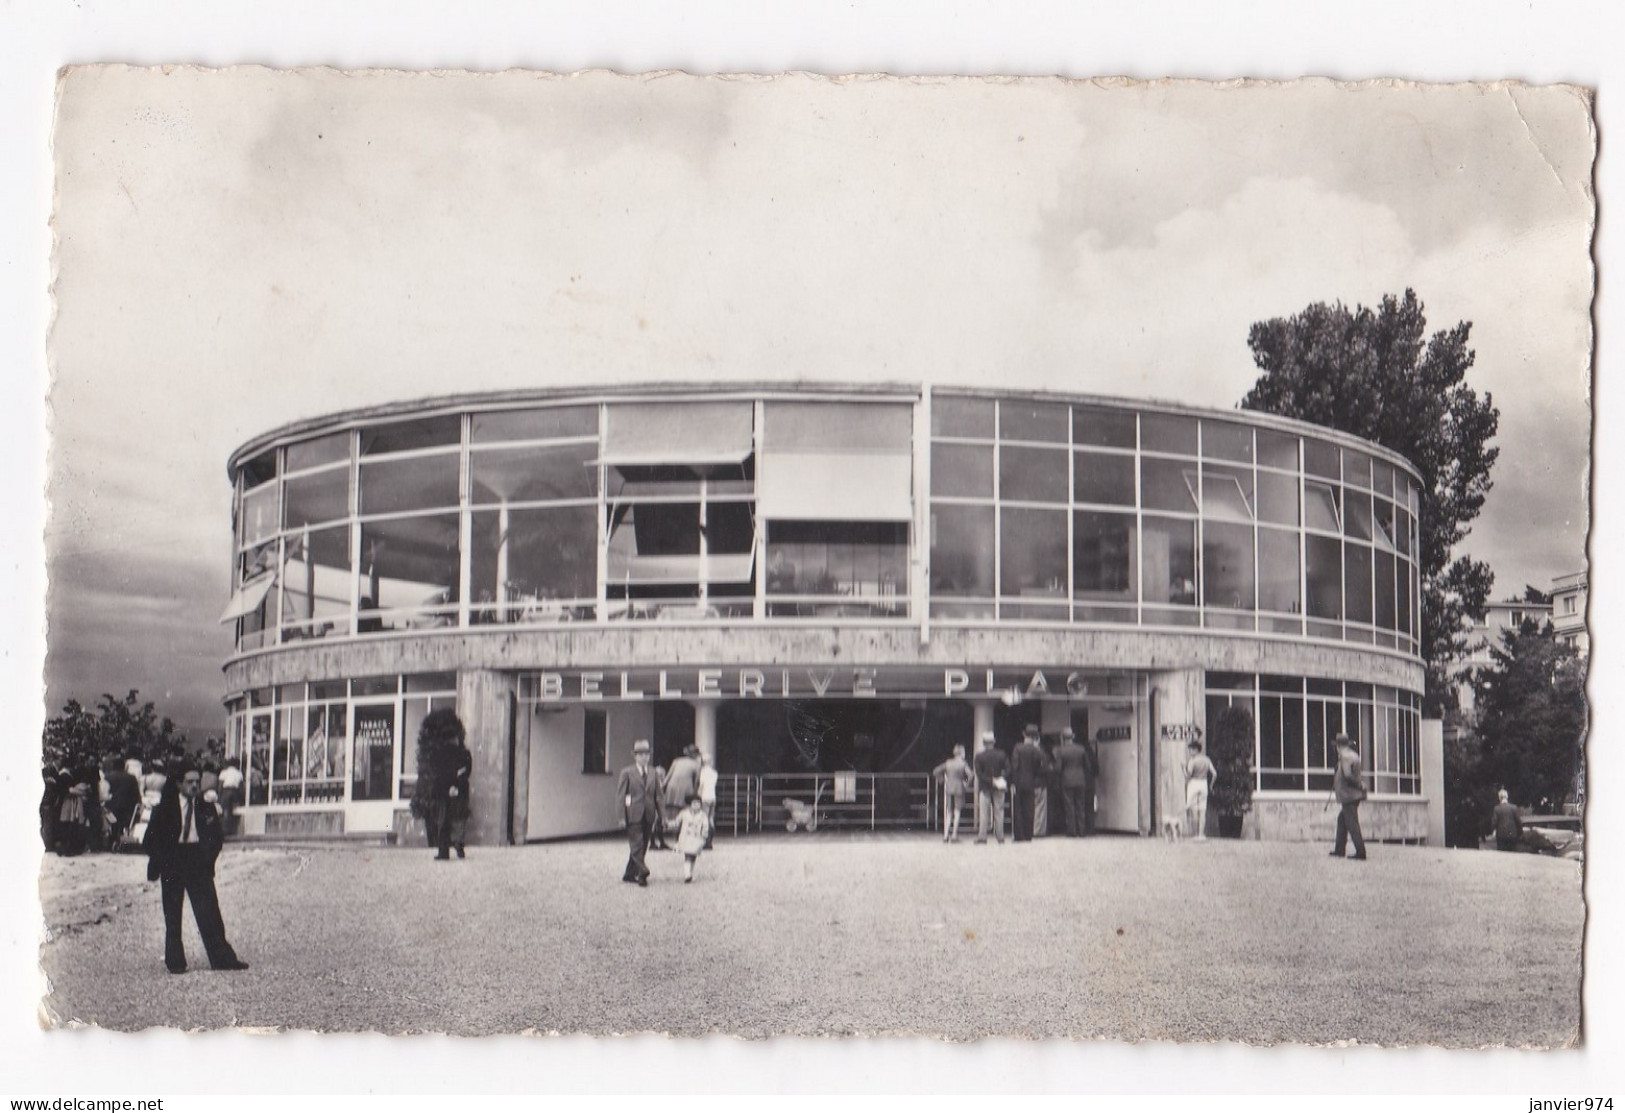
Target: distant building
<point x="1569" y="594"/>
<point x="1499" y="617"/>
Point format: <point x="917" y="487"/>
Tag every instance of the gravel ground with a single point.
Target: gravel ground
<point x="1113" y="938"/>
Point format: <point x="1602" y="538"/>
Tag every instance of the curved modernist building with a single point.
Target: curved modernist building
<point x="801" y="580"/>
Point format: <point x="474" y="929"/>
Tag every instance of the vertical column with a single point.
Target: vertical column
<point x="484" y="706"/>
<point x="981" y="723"/>
<point x="705" y="727"/>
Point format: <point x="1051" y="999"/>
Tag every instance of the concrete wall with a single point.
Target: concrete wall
<point x="768" y="643"/>
<point x="483" y="704"/>
<point x="1299" y="820"/>
<point x="560" y="799"/>
<point x="1179" y="709"/>
<point x="1432" y="755"/>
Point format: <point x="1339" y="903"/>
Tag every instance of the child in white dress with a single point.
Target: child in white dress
<point x="693" y="829"/>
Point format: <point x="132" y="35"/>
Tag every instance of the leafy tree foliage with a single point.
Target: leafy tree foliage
<point x="115" y="728"/>
<point x="1531" y="708"/>
<point x="1376" y="373"/>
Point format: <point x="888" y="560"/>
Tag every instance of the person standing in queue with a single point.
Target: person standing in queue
<point x="955" y="775"/>
<point x="638" y="793"/>
<point x="1073" y="761"/>
<point x="991" y="766"/>
<point x="1029" y="769"/>
<point x="1348" y="784"/>
<point x="182" y="842"/>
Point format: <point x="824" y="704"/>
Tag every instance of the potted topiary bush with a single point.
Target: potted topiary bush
<point x="1230" y="748"/>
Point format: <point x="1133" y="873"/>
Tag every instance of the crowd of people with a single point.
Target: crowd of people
<point x="105" y="807"/>
<point x="1051" y="787"/>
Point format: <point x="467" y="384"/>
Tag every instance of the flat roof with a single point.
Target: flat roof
<point x="893" y="391"/>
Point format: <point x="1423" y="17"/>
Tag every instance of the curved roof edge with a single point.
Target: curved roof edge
<point x="585" y="393"/>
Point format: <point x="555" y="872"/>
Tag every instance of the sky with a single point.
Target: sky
<point x="239" y="249"/>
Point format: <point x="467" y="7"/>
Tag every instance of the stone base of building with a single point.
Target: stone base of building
<point x="1294" y="819"/>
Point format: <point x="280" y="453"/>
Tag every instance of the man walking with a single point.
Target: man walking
<point x="1506" y="822"/>
<point x="182" y="842"/>
<point x="1073" y="761"/>
<point x="639" y="794"/>
<point x="991" y="767"/>
<point x="1348" y="785"/>
<point x="1028" y="770"/>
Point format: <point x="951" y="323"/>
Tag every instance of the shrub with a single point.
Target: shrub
<point x="1231" y="751"/>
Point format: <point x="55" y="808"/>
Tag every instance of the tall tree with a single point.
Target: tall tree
<point x="117" y="727"/>
<point x="1531" y="708"/>
<point x="1376" y="373"/>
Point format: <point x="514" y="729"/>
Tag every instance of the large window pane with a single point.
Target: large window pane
<point x="534" y="425"/>
<point x="1278" y="585"/>
<point x="962" y="551"/>
<point x="537" y="474"/>
<point x="1278" y="498"/>
<point x="1357" y="581"/>
<point x="407" y="436"/>
<point x="1323" y="558"/>
<point x="1168" y="484"/>
<point x="1384" y="595"/>
<point x="316" y="583"/>
<point x="961" y="417"/>
<point x="1223" y="440"/>
<point x="1227" y="565"/>
<point x="1032" y="555"/>
<point x="1356" y="469"/>
<point x="319" y="450"/>
<point x="1104" y="428"/>
<point x="857" y="562"/>
<point x="413" y="483"/>
<point x="1277" y="450"/>
<point x="1104" y="560"/>
<point x="1321" y="458"/>
<point x="533" y="563"/>
<point x="1032" y="474"/>
<point x="1169" y="561"/>
<point x="1099" y="477"/>
<point x="1032" y="421"/>
<point x="1322" y="509"/>
<point x="962" y="470"/>
<point x="409" y="571"/>
<point x="1227" y="493"/>
<point x="1357" y="515"/>
<point x="1168" y="433"/>
<point x="258" y="519"/>
<point x="1403" y="588"/>
<point x="322" y="496"/>
<point x="821" y="426"/>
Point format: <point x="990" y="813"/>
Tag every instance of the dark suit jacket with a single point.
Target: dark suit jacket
<point x="162" y="841"/>
<point x="1029" y="768"/>
<point x="123" y="794"/>
<point x="643" y="788"/>
<point x="1073" y="761"/>
<point x="990" y="764"/>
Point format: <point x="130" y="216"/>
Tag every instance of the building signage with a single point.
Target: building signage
<point x="1012" y="685"/>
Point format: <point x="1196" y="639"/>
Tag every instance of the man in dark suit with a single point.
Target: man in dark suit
<point x="638" y="793"/>
<point x="1091" y="789"/>
<point x="182" y="842"/>
<point x="1029" y="769"/>
<point x="991" y="766"/>
<point x="1073" y="761"/>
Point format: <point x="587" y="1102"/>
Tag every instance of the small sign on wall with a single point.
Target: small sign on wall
<point x="846" y="787"/>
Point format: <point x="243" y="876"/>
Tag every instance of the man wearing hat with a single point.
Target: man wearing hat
<point x="991" y="766"/>
<point x="1029" y="768"/>
<point x="1349" y="787"/>
<point x="638" y="792"/>
<point x="1073" y="761"/>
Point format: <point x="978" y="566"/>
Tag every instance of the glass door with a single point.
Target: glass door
<point x="374" y="740"/>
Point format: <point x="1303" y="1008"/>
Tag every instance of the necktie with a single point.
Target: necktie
<point x="186" y="831"/>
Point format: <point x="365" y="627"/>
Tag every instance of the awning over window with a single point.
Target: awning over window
<point x="678" y="433"/>
<point x="843" y="487"/>
<point x="249" y="596"/>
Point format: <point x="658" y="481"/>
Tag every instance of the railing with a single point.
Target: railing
<point x="847" y="801"/>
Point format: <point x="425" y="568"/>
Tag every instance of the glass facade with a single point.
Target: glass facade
<point x="724" y="507"/>
<point x="334" y="742"/>
<point x="1296" y="721"/>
